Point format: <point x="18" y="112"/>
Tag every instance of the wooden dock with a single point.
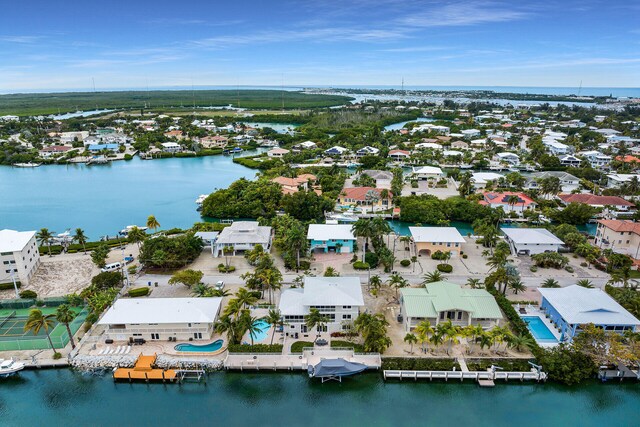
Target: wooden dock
<point x="483" y="378"/>
<point x="294" y="362"/>
<point x="144" y="371"/>
<point x="619" y="374"/>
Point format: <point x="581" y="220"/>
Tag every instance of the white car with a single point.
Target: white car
<point x="219" y="285"/>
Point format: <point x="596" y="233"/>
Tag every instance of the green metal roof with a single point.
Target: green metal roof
<point x="445" y="296"/>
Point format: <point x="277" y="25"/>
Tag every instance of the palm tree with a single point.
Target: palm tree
<point x="220" y="293"/>
<point x="80" y="237"/>
<point x="622" y="275"/>
<point x="271" y="279"/>
<point x="296" y="240"/>
<point x="424" y="329"/>
<point x="274" y="318"/>
<point x="45" y="236"/>
<point x="372" y="197"/>
<point x="414" y="260"/>
<point x="405" y="240"/>
<point x="65" y="315"/>
<point x="316" y="319"/>
<point x="474" y="283"/>
<point x="226" y="325"/>
<point x="136" y="235"/>
<point x="227" y="250"/>
<point x="375" y="283"/>
<point x="37" y="321"/>
<point x="249" y="324"/>
<point x="434" y="276"/>
<point x="331" y="272"/>
<point x="245" y="297"/>
<point x="411" y="339"/>
<point x="550" y="283"/>
<point x="396" y="281"/>
<point x="512" y="200"/>
<point x="451" y="333"/>
<point x="200" y="290"/>
<point x="152" y="223"/>
<point x="516" y="286"/>
<point x="585" y="283"/>
<point x="363" y="228"/>
<point x="521" y="341"/>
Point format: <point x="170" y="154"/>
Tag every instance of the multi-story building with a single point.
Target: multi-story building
<point x="621" y="236"/>
<point x="19" y="256"/>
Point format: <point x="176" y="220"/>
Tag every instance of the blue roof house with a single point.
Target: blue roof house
<point x="574" y="306"/>
<point x="337" y="237"/>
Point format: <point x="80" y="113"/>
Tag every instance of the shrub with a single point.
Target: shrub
<point x="584" y="264"/>
<point x="445" y="268"/>
<point x="107" y="279"/>
<point x="57" y="356"/>
<point x="256" y="348"/>
<point x="465" y="256"/>
<point x="359" y="265"/>
<point x="439" y="255"/>
<point x="9" y="285"/>
<point x="224" y="269"/>
<point x="128" y="156"/>
<point x="139" y="292"/>
<point x="304" y="265"/>
<point x="418" y="364"/>
<point x="405" y="263"/>
<point x="550" y="260"/>
<point x="354" y="258"/>
<point x="533" y="268"/>
<point x="39" y="303"/>
<point x="372" y="259"/>
<point x="297" y="346"/>
<point x="28" y="294"/>
<point x="569" y="269"/>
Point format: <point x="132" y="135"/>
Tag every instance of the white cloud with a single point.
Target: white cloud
<point x="19" y="39"/>
<point x="464" y="14"/>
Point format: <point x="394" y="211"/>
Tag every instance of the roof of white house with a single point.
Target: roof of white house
<point x="330" y="231"/>
<point x="170" y="144"/>
<point x="162" y="310"/>
<point x="207" y="235"/>
<point x="332" y="291"/>
<point x="336" y="148"/>
<point x="14" y="241"/>
<point x="245" y="232"/>
<point x="429" y="170"/>
<point x="452" y="153"/>
<point x="291" y="303"/>
<point x="531" y="236"/>
<point x="507" y="154"/>
<point x="436" y="234"/>
<point x="308" y="144"/>
<point x="579" y="305"/>
<point x="484" y="177"/>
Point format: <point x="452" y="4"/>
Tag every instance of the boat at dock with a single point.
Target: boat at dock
<point x="125" y="231"/>
<point x="200" y="200"/>
<point x="10" y="367"/>
<point x="97" y="160"/>
<point x="335" y="369"/>
<point x="27" y="165"/>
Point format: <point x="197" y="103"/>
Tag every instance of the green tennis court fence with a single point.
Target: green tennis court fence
<point x="59" y="339"/>
<point x="6" y="319"/>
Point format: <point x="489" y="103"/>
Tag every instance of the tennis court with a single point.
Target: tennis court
<point x="14" y="337"/>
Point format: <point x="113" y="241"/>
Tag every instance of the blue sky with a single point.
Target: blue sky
<point x="135" y="43"/>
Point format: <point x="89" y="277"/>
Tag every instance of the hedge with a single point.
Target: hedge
<point x="9" y="285"/>
<point x="517" y="365"/>
<point x="358" y="348"/>
<point x="359" y="265"/>
<point x="28" y="294"/>
<point x="139" y="292"/>
<point x="225" y="269"/>
<point x="418" y="364"/>
<point x="445" y="268"/>
<point x="256" y="348"/>
<point x="297" y="346"/>
<point x="405" y="263"/>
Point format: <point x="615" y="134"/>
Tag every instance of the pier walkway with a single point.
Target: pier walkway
<point x="484" y="378"/>
<point x="293" y="362"/>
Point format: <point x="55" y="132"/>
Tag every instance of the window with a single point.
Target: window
<point x="459" y="315"/>
<point x="346" y="307"/>
<point x="346" y="316"/>
<point x="442" y="315"/>
<point x="155" y="336"/>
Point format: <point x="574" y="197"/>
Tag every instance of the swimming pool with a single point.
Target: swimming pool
<point x="539" y="330"/>
<point x="204" y="348"/>
<point x="262" y="330"/>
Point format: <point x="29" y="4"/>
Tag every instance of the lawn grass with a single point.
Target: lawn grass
<point x="297" y="346"/>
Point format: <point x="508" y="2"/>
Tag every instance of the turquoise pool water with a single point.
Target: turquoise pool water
<point x="262" y="330"/>
<point x="205" y="348"/>
<point x="538" y="329"/>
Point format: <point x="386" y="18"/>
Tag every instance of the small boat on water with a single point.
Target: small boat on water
<point x="98" y="160"/>
<point x="10" y="367"/>
<point x="200" y="200"/>
<point x="27" y="165"/>
<point x="125" y="231"/>
<point x="335" y="369"/>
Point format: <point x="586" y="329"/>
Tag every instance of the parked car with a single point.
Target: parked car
<point x="219" y="285"/>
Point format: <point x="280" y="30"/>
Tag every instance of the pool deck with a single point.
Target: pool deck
<point x="535" y="312"/>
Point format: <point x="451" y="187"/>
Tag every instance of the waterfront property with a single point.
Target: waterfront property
<point x="366" y="196"/>
<point x="328" y="237"/>
<point x="441" y="301"/>
<point x="208" y="238"/>
<point x="567" y="181"/>
<point x="611" y="205"/>
<point x="155" y="319"/>
<point x="243" y="236"/>
<point x="293" y="185"/>
<point x="621" y="236"/>
<point x="574" y="306"/>
<point x="427" y="172"/>
<point x="339" y="299"/>
<point x="509" y="201"/>
<point x="482" y="179"/>
<point x="531" y="241"/>
<point x="19" y="256"/>
<point x="427" y="240"/>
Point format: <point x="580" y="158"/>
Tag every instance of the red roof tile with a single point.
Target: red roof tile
<point x="593" y="200"/>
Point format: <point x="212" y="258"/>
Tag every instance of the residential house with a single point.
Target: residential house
<point x="399" y="155"/>
<point x="54" y="150"/>
<point x="171" y="147"/>
<point x="99" y="147"/>
<point x="331" y="237"/>
<point x="158" y="319"/>
<point x="335" y="151"/>
<point x="367" y="151"/>
<point x="617" y="180"/>
<point x="596" y="158"/>
<point x="570" y="160"/>
<point x="243" y="236"/>
<point x="428" y="145"/>
<point x="432" y="239"/>
<point x="614" y="205"/>
<point x="215" y="141"/>
<point x="510" y="158"/>
<point x="556" y="148"/>
<point x="444" y="301"/>
<point x="277" y="152"/>
<point x="69" y="137"/>
<point x="621" y="236"/>
<point x="19" y="256"/>
<point x="339" y="299"/>
<point x="470" y="133"/>
<point x="293" y="185"/>
<point x="423" y="173"/>
<point x="633" y="160"/>
<point x="306" y="145"/>
<point x="362" y="196"/>
<point x="573" y="307"/>
<point x="568" y="182"/>
<point x="509" y="201"/>
<point x="482" y="179"/>
<point x="531" y="241"/>
<point x="459" y="145"/>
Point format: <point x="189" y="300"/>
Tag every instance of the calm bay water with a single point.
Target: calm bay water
<point x="65" y="397"/>
<point x="104" y="199"/>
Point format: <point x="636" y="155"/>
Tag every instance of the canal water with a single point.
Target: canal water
<point x="67" y="398"/>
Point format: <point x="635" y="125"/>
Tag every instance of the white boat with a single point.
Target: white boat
<point x="27" y="165"/>
<point x="200" y="200"/>
<point x="10" y="367"/>
<point x="125" y="231"/>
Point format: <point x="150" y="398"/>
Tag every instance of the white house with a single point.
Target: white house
<point x="158" y="319"/>
<point x="570" y="160"/>
<point x="470" y="133"/>
<point x="596" y="158"/>
<point x="531" y="241"/>
<point x="335" y="151"/>
<point x="567" y="181"/>
<point x="481" y="179"/>
<point x="367" y="151"/>
<point x="428" y="145"/>
<point x="338" y="237"/>
<point x="307" y="145"/>
<point x="510" y="158"/>
<point x="556" y="148"/>
<point x="19" y="256"/>
<point x="339" y="299"/>
<point x="426" y="172"/>
<point x="277" y="152"/>
<point x="243" y="236"/>
<point x="171" y="147"/>
<point x="617" y="180"/>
